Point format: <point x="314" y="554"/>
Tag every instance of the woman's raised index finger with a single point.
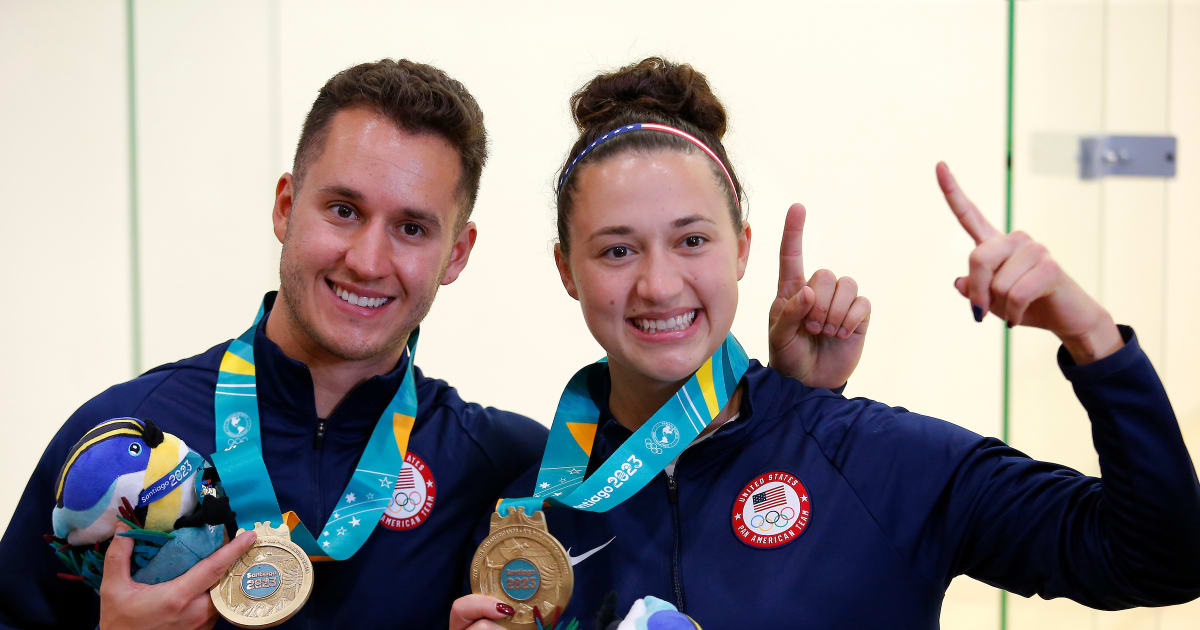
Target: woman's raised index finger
<point x="968" y="215"/>
<point x="791" y="253"/>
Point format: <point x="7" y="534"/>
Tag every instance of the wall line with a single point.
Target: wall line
<point x="1006" y="388"/>
<point x="135" y="284"/>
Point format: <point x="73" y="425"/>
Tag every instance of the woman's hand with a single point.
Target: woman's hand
<point x="1015" y="278"/>
<point x="817" y="327"/>
<point x="473" y="612"/>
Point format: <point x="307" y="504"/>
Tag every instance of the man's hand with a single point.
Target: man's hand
<point x="473" y="612"/>
<point x="1015" y="278"/>
<point x="180" y="603"/>
<point x="817" y="327"/>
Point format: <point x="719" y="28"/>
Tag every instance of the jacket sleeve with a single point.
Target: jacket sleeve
<point x="953" y="502"/>
<point x="1131" y="538"/>
<point x="31" y="594"/>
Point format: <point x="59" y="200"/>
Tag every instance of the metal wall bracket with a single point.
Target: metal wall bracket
<point x="1145" y="156"/>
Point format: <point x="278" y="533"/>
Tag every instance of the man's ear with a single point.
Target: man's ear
<point x="743" y="253"/>
<point x="460" y="252"/>
<point x="564" y="271"/>
<point x="282" y="212"/>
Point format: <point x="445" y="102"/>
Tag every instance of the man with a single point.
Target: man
<point x="373" y="219"/>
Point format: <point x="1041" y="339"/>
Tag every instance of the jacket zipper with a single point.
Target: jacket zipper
<point x="676" y="572"/>
<point x="319" y="438"/>
<point x="318" y="441"/>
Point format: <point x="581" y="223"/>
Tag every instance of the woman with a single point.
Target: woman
<point x="795" y="505"/>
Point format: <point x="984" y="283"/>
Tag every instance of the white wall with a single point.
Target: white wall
<point x="65" y="327"/>
<point x="1115" y="67"/>
<point x="845" y="107"/>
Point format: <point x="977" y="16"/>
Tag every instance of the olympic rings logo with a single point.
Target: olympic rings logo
<point x="407" y="502"/>
<point x="772" y="510"/>
<point x="775" y="518"/>
<point x="412" y="494"/>
<point x="653" y="447"/>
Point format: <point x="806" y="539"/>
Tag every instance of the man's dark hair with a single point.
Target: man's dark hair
<point x="417" y="98"/>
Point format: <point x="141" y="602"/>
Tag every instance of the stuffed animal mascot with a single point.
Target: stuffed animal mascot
<point x="129" y="470"/>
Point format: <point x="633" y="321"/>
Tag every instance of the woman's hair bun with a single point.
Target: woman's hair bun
<point x="654" y="89"/>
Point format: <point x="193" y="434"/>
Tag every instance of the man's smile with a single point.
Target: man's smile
<point x="354" y="298"/>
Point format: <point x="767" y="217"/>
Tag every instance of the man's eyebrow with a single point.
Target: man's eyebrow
<point x="342" y="191"/>
<point x="351" y="194"/>
<point x="422" y="215"/>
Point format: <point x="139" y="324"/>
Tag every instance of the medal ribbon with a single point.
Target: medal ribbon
<point x="239" y="460"/>
<point x="644" y="454"/>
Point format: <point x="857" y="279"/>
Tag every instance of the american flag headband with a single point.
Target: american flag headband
<point x="648" y="127"/>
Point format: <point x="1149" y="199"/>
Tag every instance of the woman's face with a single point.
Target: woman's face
<point x="654" y="261"/>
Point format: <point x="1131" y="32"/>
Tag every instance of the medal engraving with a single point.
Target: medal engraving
<point x="268" y="584"/>
<point x="521" y="564"/>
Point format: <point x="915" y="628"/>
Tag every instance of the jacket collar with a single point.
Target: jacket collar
<point x="285" y="386"/>
<point x="610" y="434"/>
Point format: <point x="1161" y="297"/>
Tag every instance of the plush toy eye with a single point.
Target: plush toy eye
<point x="135" y="449"/>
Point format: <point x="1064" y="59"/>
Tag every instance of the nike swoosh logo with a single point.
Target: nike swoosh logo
<point x="587" y="554"/>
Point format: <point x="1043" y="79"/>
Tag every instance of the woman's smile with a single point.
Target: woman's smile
<point x="668" y="327"/>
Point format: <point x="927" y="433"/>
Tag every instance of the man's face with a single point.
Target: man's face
<point x="367" y="239"/>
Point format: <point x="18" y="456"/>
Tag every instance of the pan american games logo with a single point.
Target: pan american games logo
<point x="664" y="435"/>
<point x="771" y="511"/>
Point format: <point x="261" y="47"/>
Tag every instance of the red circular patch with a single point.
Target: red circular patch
<point x="771" y="511"/>
<point x="412" y="496"/>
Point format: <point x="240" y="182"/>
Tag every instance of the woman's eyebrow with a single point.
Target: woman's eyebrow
<point x="611" y="230"/>
<point x="688" y="220"/>
<point x="625" y="230"/>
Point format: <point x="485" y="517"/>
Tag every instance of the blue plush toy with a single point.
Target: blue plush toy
<point x="126" y="469"/>
<point x="652" y="613"/>
<point x="648" y="613"/>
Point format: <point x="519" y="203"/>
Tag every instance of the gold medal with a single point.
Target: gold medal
<point x="521" y="564"/>
<point x="268" y="584"/>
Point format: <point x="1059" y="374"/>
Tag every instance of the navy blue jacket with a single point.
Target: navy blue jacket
<point x="403" y="577"/>
<point x="889" y="507"/>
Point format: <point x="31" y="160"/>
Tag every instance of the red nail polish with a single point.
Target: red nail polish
<point x="504" y="609"/>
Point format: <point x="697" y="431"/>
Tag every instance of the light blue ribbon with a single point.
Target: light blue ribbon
<point x="244" y="475"/>
<point x="644" y="454"/>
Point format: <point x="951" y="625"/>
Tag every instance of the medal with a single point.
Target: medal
<point x="521" y="564"/>
<point x="272" y="581"/>
<point x="268" y="584"/>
